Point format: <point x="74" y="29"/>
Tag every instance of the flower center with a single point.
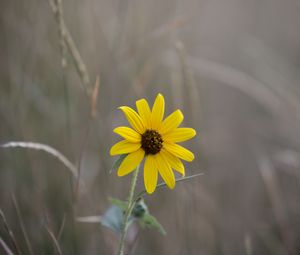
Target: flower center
<point x="152" y="142"/>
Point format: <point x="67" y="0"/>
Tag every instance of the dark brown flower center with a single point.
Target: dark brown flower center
<point x="152" y="142"/>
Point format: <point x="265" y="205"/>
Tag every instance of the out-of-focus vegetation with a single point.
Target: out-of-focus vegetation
<point x="232" y="66"/>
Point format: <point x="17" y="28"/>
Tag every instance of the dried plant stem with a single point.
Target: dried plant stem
<point x="5" y="247"/>
<point x="46" y="148"/>
<point x="56" y="6"/>
<point x="128" y="212"/>
<point x="94" y="97"/>
<point x="59" y="18"/>
<point x="11" y="235"/>
<point x="29" y="247"/>
<point x="62" y="226"/>
<point x="271" y="182"/>
<point x="63" y="48"/>
<point x="55" y="241"/>
<point x="82" y="150"/>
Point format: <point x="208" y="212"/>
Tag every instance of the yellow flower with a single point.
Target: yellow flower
<point x="154" y="139"/>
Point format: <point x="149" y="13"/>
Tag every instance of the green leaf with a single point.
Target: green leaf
<point x="117" y="163"/>
<point x="121" y="204"/>
<point x="150" y="221"/>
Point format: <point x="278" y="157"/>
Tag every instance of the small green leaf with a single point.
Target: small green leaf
<point x="150" y="221"/>
<point x="117" y="163"/>
<point x="121" y="204"/>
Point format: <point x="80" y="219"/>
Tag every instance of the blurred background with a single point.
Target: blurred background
<point x="232" y="66"/>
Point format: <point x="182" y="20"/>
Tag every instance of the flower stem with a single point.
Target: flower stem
<point x="128" y="211"/>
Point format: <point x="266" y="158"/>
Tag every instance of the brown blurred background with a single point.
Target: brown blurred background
<point x="232" y="66"/>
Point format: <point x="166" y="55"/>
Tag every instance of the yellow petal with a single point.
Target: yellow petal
<point x="179" y="151"/>
<point x="144" y="112"/>
<point x="150" y="174"/>
<point x="124" y="147"/>
<point x="171" y="122"/>
<point x="134" y="119"/>
<point x="174" y="162"/>
<point x="179" y="135"/>
<point x="158" y="110"/>
<point x="165" y="170"/>
<point x="128" y="133"/>
<point x="131" y="162"/>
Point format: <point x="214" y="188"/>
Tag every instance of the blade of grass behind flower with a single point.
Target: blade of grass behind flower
<point x="45" y="148"/>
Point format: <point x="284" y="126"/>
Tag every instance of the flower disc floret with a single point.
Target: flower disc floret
<point x="152" y="142"/>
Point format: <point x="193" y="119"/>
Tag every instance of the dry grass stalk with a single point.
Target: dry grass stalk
<point x="5" y="247"/>
<point x="94" y="97"/>
<point x="45" y="148"/>
<point x="69" y="42"/>
<point x="24" y="232"/>
<point x="54" y="240"/>
<point x="11" y="236"/>
<point x="59" y="18"/>
<point x="270" y="180"/>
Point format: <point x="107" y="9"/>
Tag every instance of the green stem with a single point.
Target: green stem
<point x="128" y="211"/>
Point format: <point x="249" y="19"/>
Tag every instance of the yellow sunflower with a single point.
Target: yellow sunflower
<point x="154" y="139"/>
